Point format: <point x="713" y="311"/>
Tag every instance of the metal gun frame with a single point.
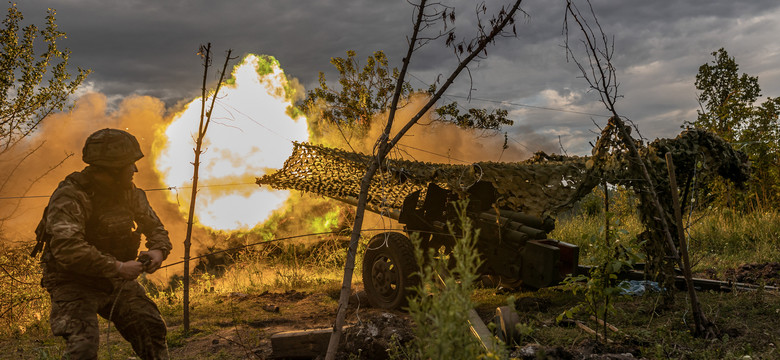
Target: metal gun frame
<point x="513" y="246"/>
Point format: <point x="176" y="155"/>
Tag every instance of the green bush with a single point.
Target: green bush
<point x="24" y="304"/>
<point x="440" y="308"/>
<point x="609" y="253"/>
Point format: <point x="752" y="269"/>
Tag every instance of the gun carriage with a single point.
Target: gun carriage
<point x="510" y="203"/>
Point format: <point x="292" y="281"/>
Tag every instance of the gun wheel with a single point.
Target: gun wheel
<point x="388" y="268"/>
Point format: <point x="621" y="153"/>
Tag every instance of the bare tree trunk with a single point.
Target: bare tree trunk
<point x="365" y="183"/>
<point x="607" y="248"/>
<point x="384" y="145"/>
<point x="349" y="267"/>
<point x="602" y="78"/>
<point x="205" y="120"/>
<point x="703" y="327"/>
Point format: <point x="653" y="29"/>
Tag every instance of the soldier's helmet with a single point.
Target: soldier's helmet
<point x="112" y="148"/>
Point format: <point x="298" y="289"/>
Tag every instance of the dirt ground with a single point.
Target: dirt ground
<point x="767" y="274"/>
<point x="240" y="326"/>
<point x="257" y="317"/>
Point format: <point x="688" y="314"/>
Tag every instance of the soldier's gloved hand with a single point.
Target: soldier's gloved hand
<point x="129" y="270"/>
<point x="157" y="259"/>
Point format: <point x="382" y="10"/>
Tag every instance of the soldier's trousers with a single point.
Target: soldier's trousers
<point x="74" y="310"/>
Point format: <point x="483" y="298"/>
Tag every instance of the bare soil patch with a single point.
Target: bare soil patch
<point x="240" y="325"/>
<point x="757" y="274"/>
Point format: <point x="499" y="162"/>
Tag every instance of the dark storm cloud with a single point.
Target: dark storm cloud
<point x="148" y="47"/>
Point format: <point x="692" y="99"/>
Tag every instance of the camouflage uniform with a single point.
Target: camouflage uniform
<point x="87" y="228"/>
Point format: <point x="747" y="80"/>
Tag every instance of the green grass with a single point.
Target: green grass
<point x="719" y="239"/>
<point x="726" y="239"/>
<point x="580" y="229"/>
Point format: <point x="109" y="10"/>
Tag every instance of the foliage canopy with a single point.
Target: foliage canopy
<point x="367" y="90"/>
<point x="32" y="85"/>
<point x="728" y="108"/>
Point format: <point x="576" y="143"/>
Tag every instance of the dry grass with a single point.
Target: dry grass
<point x="215" y="301"/>
<point x="722" y="240"/>
<point x="719" y="239"/>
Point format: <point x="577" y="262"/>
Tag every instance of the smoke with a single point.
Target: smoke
<point x="38" y="164"/>
<point x="440" y="142"/>
<point x="62" y="136"/>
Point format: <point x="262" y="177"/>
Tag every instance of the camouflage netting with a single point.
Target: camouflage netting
<point x="541" y="185"/>
<point x="698" y="155"/>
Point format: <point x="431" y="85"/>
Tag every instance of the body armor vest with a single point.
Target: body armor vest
<point x="110" y="226"/>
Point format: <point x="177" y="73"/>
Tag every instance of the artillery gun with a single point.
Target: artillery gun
<point x="511" y="203"/>
<point x="510" y="210"/>
<point x="513" y="246"/>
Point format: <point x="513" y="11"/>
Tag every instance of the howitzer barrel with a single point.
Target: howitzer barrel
<point x="531" y="232"/>
<point x="517" y="237"/>
<point x="389" y="212"/>
<point x="547" y="224"/>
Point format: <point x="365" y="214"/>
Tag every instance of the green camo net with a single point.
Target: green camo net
<point x="541" y="186"/>
<point x="533" y="186"/>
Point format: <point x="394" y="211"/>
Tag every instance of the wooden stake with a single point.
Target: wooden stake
<point x="702" y="325"/>
<point x="604" y="323"/>
<point x="588" y="330"/>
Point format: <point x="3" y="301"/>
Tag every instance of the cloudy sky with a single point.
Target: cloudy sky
<point x="149" y="47"/>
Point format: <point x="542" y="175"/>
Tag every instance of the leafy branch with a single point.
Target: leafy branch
<point x="386" y="141"/>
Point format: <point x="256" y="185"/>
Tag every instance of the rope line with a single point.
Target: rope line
<point x="513" y="103"/>
<point x="169" y="188"/>
<point x="289" y="238"/>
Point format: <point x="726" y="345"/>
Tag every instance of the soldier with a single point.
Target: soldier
<point x="89" y="239"/>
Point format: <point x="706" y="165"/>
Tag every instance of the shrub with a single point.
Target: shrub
<point x="440" y="308"/>
<point x="23" y="302"/>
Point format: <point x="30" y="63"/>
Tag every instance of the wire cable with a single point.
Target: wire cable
<point x="528" y="106"/>
<point x="293" y="237"/>
<point x="169" y="188"/>
<point x="110" y="315"/>
<point x="514" y="103"/>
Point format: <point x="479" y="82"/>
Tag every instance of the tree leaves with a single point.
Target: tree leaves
<point x="32" y="85"/>
<point x="728" y="108"/>
<point x="362" y="93"/>
<point x="365" y="91"/>
<point x="474" y="118"/>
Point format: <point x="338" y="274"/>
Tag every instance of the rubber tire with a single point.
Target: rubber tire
<point x="389" y="270"/>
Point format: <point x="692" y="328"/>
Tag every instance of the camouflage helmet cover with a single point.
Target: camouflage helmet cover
<point x="111" y="147"/>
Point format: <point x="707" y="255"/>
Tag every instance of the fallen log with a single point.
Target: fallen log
<point x="300" y="344"/>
